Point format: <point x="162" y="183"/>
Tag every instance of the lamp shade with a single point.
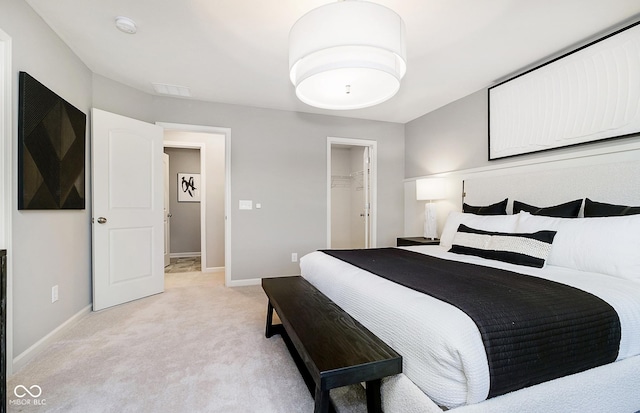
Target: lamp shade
<point x="347" y="55"/>
<point x="429" y="189"/>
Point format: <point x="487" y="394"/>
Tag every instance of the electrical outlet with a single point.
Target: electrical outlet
<point x="294" y="257"/>
<point x="54" y="294"/>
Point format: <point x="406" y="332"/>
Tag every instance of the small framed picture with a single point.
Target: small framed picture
<point x="188" y="187"/>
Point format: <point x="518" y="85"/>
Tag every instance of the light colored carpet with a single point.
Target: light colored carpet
<point x="197" y="347"/>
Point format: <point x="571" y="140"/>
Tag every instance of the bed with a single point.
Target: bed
<point x="445" y="362"/>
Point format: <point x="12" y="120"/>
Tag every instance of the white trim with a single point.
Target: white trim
<point x="244" y="283"/>
<point x="6" y="182"/>
<point x="256" y="281"/>
<point x="184" y="254"/>
<point x="373" y="153"/>
<point x="227" y="185"/>
<point x="213" y="269"/>
<point x="23" y="358"/>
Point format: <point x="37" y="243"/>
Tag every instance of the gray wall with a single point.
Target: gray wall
<point x="117" y="98"/>
<point x="451" y="138"/>
<point x="185" y="219"/>
<point x="47" y="247"/>
<point x="278" y="159"/>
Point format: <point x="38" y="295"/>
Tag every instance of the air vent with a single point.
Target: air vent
<point x="172" y="90"/>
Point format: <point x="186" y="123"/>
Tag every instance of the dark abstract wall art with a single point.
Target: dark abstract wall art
<point x="51" y="149"/>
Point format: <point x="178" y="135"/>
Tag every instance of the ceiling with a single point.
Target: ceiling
<point x="235" y="51"/>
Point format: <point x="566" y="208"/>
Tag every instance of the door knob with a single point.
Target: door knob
<point x="169" y="215"/>
<point x="102" y="220"/>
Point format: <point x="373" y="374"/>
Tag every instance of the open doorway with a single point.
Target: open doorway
<point x="183" y="203"/>
<point x="212" y="148"/>
<point x="351" y="193"/>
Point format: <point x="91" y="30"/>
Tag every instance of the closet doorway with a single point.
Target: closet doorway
<point x="351" y="193"/>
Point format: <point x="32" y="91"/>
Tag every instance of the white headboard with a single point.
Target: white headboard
<point x="610" y="174"/>
<point x="616" y="183"/>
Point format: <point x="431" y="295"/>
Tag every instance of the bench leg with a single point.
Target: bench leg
<point x="374" y="404"/>
<point x="321" y="401"/>
<point x="268" y="331"/>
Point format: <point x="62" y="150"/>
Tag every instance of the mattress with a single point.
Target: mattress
<point x="442" y="350"/>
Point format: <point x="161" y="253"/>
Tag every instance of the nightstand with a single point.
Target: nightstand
<point x="406" y="241"/>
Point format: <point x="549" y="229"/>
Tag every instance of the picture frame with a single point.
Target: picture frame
<point x="588" y="95"/>
<point x="188" y="187"/>
<point x="51" y="149"/>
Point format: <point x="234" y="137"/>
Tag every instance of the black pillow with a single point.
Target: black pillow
<point x="530" y="249"/>
<point x="601" y="209"/>
<point x="499" y="208"/>
<point x="566" y="210"/>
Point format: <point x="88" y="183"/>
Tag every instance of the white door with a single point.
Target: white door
<point x="167" y="211"/>
<point x="366" y="174"/>
<point x="127" y="209"/>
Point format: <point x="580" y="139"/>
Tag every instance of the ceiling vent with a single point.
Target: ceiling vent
<point x="172" y="90"/>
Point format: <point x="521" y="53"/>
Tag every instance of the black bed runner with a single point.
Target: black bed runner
<point x="533" y="329"/>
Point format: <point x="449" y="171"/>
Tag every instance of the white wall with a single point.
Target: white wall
<point x="347" y="201"/>
<point x="48" y="247"/>
<point x="357" y="197"/>
<point x="340" y="198"/>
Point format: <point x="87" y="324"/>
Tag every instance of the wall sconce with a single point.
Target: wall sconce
<point x="430" y="189"/>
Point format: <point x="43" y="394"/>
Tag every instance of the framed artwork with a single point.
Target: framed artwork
<point x="588" y="95"/>
<point x="188" y="187"/>
<point x="51" y="149"/>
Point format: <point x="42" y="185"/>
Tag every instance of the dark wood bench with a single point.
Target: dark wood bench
<point x="330" y="348"/>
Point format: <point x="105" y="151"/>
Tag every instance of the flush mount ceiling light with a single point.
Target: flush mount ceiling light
<point x="347" y="55"/>
<point x="126" y="25"/>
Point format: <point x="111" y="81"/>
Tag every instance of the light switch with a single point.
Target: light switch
<point x="246" y="204"/>
<point x="258" y="206"/>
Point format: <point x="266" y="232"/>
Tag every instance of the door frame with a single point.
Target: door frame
<point x="373" y="210"/>
<point x="6" y="182"/>
<point x="227" y="185"/>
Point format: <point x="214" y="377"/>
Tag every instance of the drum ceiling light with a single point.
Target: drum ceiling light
<point x="347" y="55"/>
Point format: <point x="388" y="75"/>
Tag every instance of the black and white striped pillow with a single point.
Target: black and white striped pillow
<point x="516" y="248"/>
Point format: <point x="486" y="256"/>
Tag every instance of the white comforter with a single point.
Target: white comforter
<point x="441" y="347"/>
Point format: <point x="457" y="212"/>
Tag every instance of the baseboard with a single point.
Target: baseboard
<point x="244" y="283"/>
<point x="213" y="269"/>
<point x="184" y="254"/>
<point x="253" y="281"/>
<point x="23" y="358"/>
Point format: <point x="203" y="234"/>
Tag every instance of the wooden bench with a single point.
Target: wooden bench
<point x="330" y="348"/>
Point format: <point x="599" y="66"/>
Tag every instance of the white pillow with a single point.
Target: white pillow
<point x="607" y="245"/>
<point x="494" y="223"/>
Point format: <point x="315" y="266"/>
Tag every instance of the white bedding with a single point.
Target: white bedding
<point x="441" y="347"/>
